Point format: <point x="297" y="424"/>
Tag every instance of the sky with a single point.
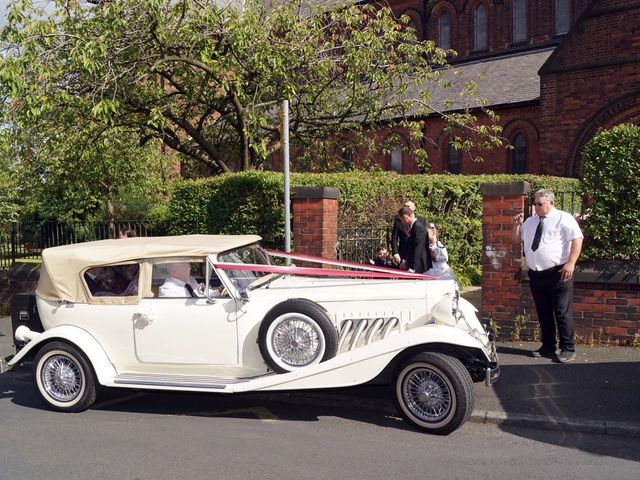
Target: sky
<point x="3" y="8"/>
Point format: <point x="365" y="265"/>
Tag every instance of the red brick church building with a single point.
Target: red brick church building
<point x="557" y="71"/>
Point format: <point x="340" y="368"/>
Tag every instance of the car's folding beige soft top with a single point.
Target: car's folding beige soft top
<point x="62" y="267"/>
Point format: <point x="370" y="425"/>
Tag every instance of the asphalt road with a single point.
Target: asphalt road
<point x="170" y="436"/>
<point x="151" y="435"/>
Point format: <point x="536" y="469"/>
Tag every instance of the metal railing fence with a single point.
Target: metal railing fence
<point x="566" y="201"/>
<point x="26" y="240"/>
<point x="359" y="244"/>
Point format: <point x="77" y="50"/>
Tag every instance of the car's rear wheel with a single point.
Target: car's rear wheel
<point x="296" y="333"/>
<point x="63" y="378"/>
<point x="433" y="392"/>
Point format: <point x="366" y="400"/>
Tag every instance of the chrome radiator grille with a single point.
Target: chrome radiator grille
<point x="356" y="332"/>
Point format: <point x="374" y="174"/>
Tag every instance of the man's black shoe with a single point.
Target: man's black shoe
<point x="566" y="356"/>
<point x="543" y="352"/>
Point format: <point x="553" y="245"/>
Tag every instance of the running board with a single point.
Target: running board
<point x="178" y="381"/>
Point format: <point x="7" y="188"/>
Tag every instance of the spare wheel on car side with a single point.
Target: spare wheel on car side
<point x="296" y="333"/>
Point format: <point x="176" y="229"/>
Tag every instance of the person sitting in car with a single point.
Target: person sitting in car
<point x="179" y="283"/>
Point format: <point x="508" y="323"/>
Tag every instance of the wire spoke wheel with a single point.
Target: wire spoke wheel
<point x="428" y="395"/>
<point x="297" y="342"/>
<point x="433" y="392"/>
<point x="62" y="378"/>
<point x="295" y="334"/>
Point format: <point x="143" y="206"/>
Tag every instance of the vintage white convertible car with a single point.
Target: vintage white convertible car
<point x="117" y="313"/>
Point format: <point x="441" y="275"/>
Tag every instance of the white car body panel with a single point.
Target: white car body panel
<point x="345" y="369"/>
<point x="86" y="342"/>
<point x="183" y="336"/>
<point x="211" y="344"/>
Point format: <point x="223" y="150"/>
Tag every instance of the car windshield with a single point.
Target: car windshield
<point x="250" y="254"/>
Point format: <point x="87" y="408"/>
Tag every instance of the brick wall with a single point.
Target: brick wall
<point x="502" y="295"/>
<point x="523" y="119"/>
<point x="540" y="16"/>
<point x="607" y="312"/>
<point x="21" y="277"/>
<point x="606" y="295"/>
<point x="315" y="221"/>
<point x="592" y="81"/>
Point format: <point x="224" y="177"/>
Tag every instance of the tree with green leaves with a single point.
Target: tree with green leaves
<point x="9" y="198"/>
<point x="207" y="80"/>
<point x="85" y="176"/>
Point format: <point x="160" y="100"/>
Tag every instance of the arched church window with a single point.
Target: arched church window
<point x="444" y="31"/>
<point x="519" y="153"/>
<point x="453" y="159"/>
<point x="396" y="158"/>
<point x="562" y="16"/>
<point x="520" y="33"/>
<point x="480" y="28"/>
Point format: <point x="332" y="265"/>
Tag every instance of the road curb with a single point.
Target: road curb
<point x="386" y="407"/>
<point x="555" y="423"/>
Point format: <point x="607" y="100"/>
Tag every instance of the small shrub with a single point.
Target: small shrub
<point x="537" y="335"/>
<point x="635" y="340"/>
<point x="520" y="322"/>
<point x="495" y="326"/>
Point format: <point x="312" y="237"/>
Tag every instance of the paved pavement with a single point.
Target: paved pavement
<point x="596" y="393"/>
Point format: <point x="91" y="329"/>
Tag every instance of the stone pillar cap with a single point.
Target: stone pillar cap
<point x="505" y="188"/>
<point x="315" y="192"/>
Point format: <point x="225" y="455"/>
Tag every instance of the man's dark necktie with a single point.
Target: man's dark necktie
<point x="537" y="236"/>
<point x="190" y="290"/>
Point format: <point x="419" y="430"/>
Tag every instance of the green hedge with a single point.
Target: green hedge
<point x="610" y="183"/>
<point x="241" y="203"/>
<point x="253" y="203"/>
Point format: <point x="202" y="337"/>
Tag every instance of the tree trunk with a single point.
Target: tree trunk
<point x="109" y="216"/>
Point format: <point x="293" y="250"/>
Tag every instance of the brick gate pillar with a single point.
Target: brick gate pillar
<point x="315" y="221"/>
<point x="502" y="294"/>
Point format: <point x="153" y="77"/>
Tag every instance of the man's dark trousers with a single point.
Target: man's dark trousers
<point x="553" y="298"/>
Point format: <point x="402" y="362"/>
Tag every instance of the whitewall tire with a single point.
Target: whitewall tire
<point x="433" y="392"/>
<point x="64" y="378"/>
<point x="295" y="334"/>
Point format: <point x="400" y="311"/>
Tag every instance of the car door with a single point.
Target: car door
<point x="185" y="330"/>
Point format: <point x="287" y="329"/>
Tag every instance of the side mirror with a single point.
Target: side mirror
<point x="244" y="294"/>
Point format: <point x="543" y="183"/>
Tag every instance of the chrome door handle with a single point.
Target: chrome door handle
<point x="143" y="318"/>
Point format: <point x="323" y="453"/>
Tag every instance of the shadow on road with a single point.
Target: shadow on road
<point x="267" y="406"/>
<point x="587" y="393"/>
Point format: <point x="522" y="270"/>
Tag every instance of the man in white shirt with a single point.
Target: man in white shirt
<point x="552" y="243"/>
<point x="180" y="283"/>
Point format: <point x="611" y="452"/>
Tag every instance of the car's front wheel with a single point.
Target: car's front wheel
<point x="63" y="378"/>
<point x="434" y="392"/>
<point x="295" y="334"/>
